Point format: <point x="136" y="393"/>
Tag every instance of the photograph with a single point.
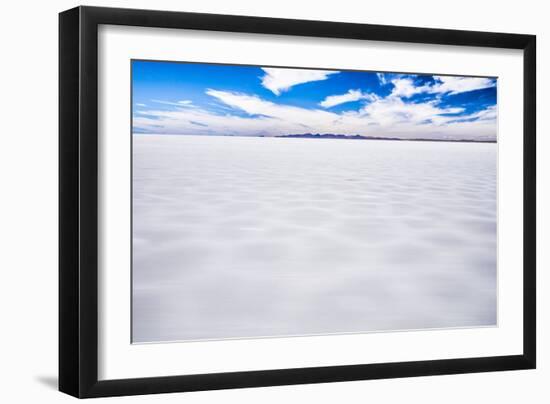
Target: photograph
<point x="276" y="201"/>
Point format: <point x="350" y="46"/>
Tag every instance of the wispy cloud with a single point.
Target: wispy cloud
<point x="456" y="85"/>
<point x="182" y="103"/>
<point x="406" y="87"/>
<point x="382" y="78"/>
<point x="280" y="80"/>
<point x="286" y="114"/>
<point x="350" y="96"/>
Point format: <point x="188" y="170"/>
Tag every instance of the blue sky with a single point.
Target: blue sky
<point x="209" y="99"/>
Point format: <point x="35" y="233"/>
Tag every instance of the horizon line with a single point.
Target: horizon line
<point x="333" y="136"/>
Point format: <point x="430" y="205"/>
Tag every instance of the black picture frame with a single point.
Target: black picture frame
<point x="78" y="201"/>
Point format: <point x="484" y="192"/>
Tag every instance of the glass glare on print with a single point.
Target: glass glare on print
<point x="273" y="202"/>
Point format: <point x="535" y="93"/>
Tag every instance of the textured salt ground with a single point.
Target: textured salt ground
<point x="246" y="237"/>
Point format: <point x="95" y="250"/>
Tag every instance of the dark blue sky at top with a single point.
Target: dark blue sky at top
<point x="174" y="81"/>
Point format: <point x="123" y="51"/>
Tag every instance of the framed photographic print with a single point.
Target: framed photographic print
<point x="251" y="202"/>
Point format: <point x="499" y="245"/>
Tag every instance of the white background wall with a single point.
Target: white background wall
<point x="28" y="200"/>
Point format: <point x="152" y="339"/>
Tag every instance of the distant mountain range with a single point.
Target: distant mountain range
<point x="359" y="137"/>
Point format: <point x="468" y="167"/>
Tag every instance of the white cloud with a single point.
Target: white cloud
<point x="140" y="105"/>
<point x="183" y="103"/>
<point x="393" y="111"/>
<point x="455" y="85"/>
<point x="405" y="87"/>
<point x="351" y="95"/>
<point x="385" y="117"/>
<point x="382" y="78"/>
<point x="486" y="114"/>
<point x="295" y="116"/>
<point x="280" y="80"/>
